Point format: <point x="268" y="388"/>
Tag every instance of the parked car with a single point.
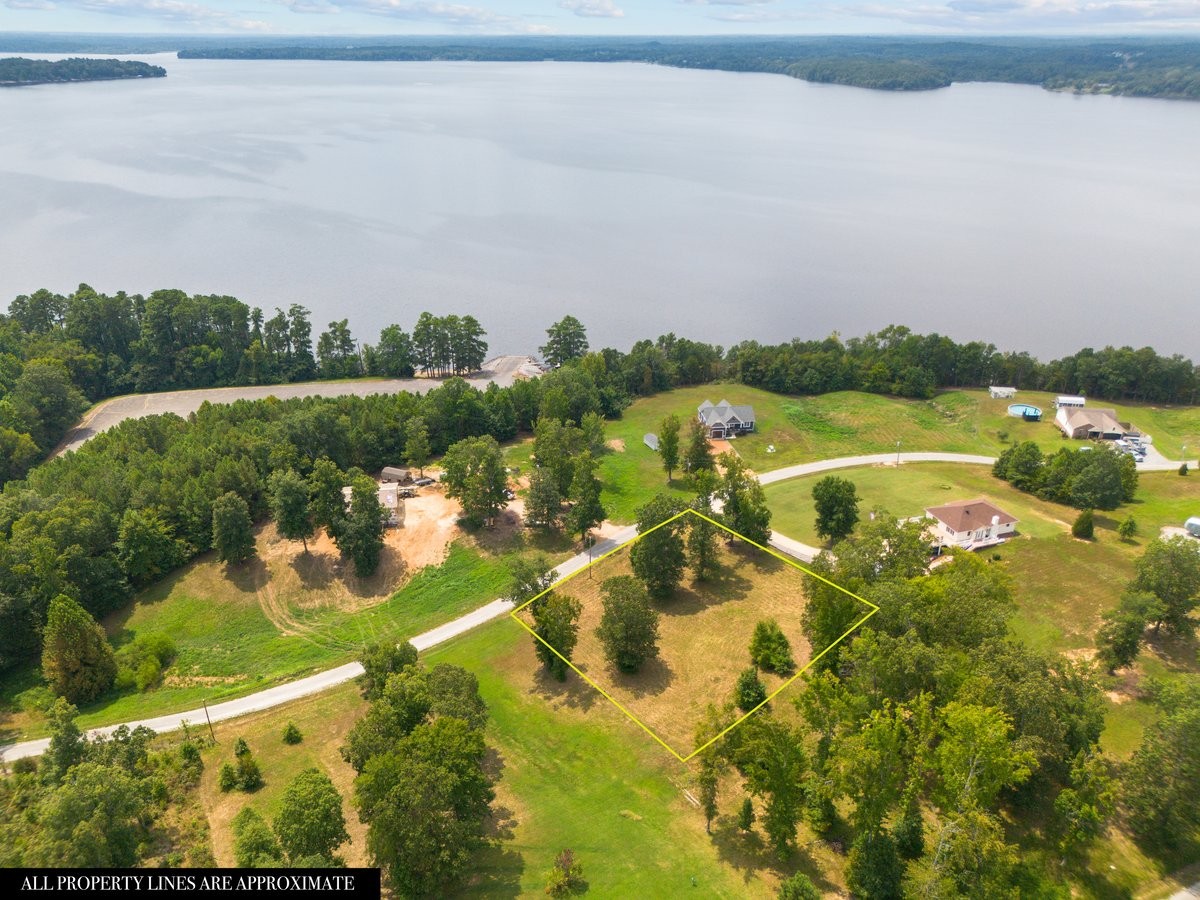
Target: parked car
<point x="423" y="482"/>
<point x="509" y="495"/>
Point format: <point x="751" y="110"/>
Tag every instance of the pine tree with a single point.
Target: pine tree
<point x="416" y="443"/>
<point x="77" y="660"/>
<point x="232" y="528"/>
<point x="746" y="815"/>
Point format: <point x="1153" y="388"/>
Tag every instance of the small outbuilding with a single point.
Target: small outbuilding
<point x="969" y="524"/>
<point x="1002" y="393"/>
<point x="1066" y="400"/>
<point x="395" y="473"/>
<point x="651" y="441"/>
<point x="389" y="499"/>
<point x="1192" y="526"/>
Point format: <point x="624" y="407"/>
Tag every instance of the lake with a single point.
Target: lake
<point x="641" y="199"/>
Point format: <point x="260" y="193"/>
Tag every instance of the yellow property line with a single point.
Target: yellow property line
<point x="791" y="562"/>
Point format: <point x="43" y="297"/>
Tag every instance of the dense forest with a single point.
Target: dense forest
<point x="17" y="71"/>
<point x="58" y="353"/>
<point x="1129" y="66"/>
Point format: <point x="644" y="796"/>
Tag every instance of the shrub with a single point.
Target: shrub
<point x="26" y="765"/>
<point x="241" y="748"/>
<point x="750" y="691"/>
<point x="1128" y="528"/>
<point x="248" y="774"/>
<point x="1183" y="469"/>
<point x="291" y="734"/>
<point x="140" y="663"/>
<point x="1084" y="526"/>
<point x="770" y="649"/>
<point x="566" y="877"/>
<point x="189" y="754"/>
<point x="227" y="778"/>
<point x="253" y="843"/>
<point x="799" y="887"/>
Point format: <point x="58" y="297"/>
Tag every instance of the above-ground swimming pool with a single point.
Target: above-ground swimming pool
<point x="1024" y="411"/>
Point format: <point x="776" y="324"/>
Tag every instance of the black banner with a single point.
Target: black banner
<point x="297" y="883"/>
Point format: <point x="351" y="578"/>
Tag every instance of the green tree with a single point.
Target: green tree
<point x="746" y="817"/>
<point x="310" y="820"/>
<point x="254" y="845"/>
<point x="1120" y="637"/>
<point x="289" y="506"/>
<point x="770" y="649"/>
<point x="745" y="509"/>
<point x="909" y="830"/>
<point x="417" y="449"/>
<point x="668" y="444"/>
<point x="361" y="535"/>
<point x="93" y="819"/>
<point x="382" y="660"/>
<point x="556" y="623"/>
<point x="1100" y="483"/>
<point x="628" y="625"/>
<point x="292" y="734"/>
<point x="327" y="503"/>
<point x="798" y="887"/>
<point x="77" y="661"/>
<point x="394" y="354"/>
<point x="1128" y="528"/>
<point x="232" y="528"/>
<point x="978" y="756"/>
<point x="750" y="691"/>
<point x="873" y="869"/>
<point x="147" y="547"/>
<point x="708" y="781"/>
<point x="475" y="476"/>
<point x="658" y="556"/>
<point x="337" y="352"/>
<point x="586" y="510"/>
<point x="1084" y="526"/>
<point x="425" y="802"/>
<point x="1162" y="781"/>
<point x="1170" y="570"/>
<point x="530" y="576"/>
<point x="772" y="758"/>
<point x="702" y="554"/>
<point x="543" y="506"/>
<point x="566" y="340"/>
<point x="836" y="502"/>
<point x="1083" y="809"/>
<point x="67" y="745"/>
<point x="697" y="455"/>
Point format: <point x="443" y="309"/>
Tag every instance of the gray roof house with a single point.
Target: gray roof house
<point x="725" y="420"/>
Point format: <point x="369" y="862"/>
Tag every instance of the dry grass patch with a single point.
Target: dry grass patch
<point x="704" y="638"/>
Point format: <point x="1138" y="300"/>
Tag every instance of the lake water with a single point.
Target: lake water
<point x="641" y="199"/>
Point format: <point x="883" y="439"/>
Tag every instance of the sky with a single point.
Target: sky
<point x="605" y="17"/>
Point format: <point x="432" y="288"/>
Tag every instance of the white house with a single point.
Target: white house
<point x="1002" y="393"/>
<point x="1068" y="400"/>
<point x="969" y="524"/>
<point x="389" y="499"/>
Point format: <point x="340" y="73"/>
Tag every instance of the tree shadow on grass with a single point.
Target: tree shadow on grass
<point x="497" y="873"/>
<point x="249" y="576"/>
<point x="654" y="677"/>
<point x="749" y="853"/>
<point x="1179" y="653"/>
<point x="695" y="597"/>
<point x="315" y="570"/>
<point x="573" y="692"/>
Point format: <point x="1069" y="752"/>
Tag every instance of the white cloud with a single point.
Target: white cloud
<point x="29" y="4"/>
<point x="593" y="9"/>
<point x="1034" y="15"/>
<point x="456" y="15"/>
<point x="175" y="12"/>
<point x="725" y="2"/>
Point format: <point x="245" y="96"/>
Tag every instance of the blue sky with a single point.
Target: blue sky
<point x="606" y="17"/>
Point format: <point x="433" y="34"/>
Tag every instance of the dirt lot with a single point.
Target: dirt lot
<point x="320" y="578"/>
<point x="704" y="638"/>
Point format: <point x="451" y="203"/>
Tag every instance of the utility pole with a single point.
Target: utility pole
<point x="897" y="454"/>
<point x="211" y="733"/>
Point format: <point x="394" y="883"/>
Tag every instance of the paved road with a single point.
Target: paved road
<point x="285" y="693"/>
<point x="104" y="416"/>
<point x="874" y="459"/>
<point x="1192" y="893"/>
<point x="313" y="684"/>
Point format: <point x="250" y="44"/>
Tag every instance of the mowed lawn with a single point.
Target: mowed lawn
<point x="1063" y="586"/>
<point x="704" y="637"/>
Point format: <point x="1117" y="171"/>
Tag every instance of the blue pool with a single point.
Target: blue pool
<point x="1025" y="411"/>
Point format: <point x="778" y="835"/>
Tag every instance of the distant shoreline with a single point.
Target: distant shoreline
<point x="18" y="71"/>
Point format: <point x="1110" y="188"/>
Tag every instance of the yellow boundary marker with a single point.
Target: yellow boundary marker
<point x="642" y="725"/>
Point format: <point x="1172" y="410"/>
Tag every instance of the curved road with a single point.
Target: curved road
<point x="312" y="684"/>
<point x="110" y="413"/>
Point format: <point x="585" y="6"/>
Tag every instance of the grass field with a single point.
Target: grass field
<point x="1062" y="585"/>
<point x="704" y="638"/>
<point x="847" y="423"/>
<point x="239" y="629"/>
